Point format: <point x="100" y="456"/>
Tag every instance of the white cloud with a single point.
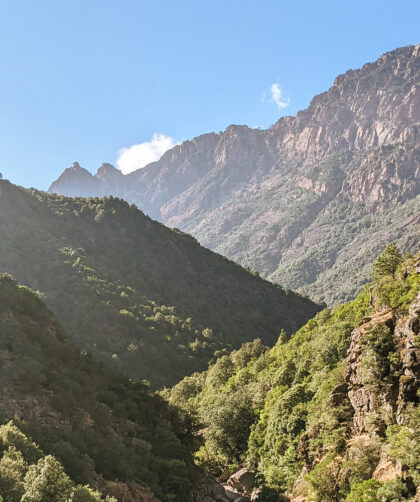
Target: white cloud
<point x="278" y="98"/>
<point x="138" y="156"/>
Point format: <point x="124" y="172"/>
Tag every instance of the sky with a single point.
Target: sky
<point x="121" y="81"/>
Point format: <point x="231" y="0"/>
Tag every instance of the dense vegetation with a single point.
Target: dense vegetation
<point x="134" y="293"/>
<point x="102" y="427"/>
<point x="285" y="411"/>
<point x="27" y="474"/>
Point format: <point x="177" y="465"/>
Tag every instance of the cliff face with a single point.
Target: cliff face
<point x="383" y="366"/>
<point x="309" y="199"/>
<point x="382" y="381"/>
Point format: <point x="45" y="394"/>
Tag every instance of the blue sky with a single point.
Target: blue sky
<point x="83" y="79"/>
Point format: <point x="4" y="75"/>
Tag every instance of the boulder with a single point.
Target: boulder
<point x="218" y="491"/>
<point x="231" y="493"/>
<point x="243" y="480"/>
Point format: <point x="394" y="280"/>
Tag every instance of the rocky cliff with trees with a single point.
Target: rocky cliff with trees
<point x="330" y="415"/>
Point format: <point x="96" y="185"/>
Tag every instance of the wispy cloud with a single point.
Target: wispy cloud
<point x="138" y="156"/>
<point x="277" y="96"/>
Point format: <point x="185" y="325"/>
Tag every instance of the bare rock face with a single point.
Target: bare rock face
<point x="79" y="182"/>
<point x="398" y="385"/>
<point x="243" y="480"/>
<point x="240" y="487"/>
<point x="131" y="492"/>
<point x="209" y="490"/>
<point x="366" y="399"/>
<point x="405" y="333"/>
<point x="312" y="198"/>
<point x="387" y="469"/>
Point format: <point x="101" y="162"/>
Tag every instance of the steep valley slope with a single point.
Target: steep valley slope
<point x="309" y="202"/>
<point x="148" y="300"/>
<point x="331" y="415"/>
<point x="107" y="431"/>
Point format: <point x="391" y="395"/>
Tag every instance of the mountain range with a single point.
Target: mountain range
<point x="138" y="365"/>
<point x="309" y="202"/>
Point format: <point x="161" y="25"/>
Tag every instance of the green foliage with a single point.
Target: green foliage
<point x="397" y="293"/>
<point x="323" y="480"/>
<point x="93" y="420"/>
<point x="361" y="458"/>
<point x="404" y="443"/>
<point x="335" y="267"/>
<point x="12" y="470"/>
<point x="145" y="299"/>
<point x="298" y="412"/>
<point x="86" y="494"/>
<point x="227" y="425"/>
<point x="256" y="403"/>
<point x="372" y="490"/>
<point x="387" y="263"/>
<point x="377" y="344"/>
<point x="364" y="491"/>
<point x="23" y="479"/>
<point x="12" y="437"/>
<point x="46" y="481"/>
<point x="270" y="495"/>
<point x="392" y="491"/>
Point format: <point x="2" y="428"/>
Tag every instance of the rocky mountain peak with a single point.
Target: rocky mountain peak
<point x="108" y="173"/>
<point x="77" y="181"/>
<point x="273" y="199"/>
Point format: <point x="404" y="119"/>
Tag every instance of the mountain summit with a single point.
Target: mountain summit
<point x="308" y="202"/>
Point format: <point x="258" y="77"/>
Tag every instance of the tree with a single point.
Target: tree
<point x="12" y="471"/>
<point x="388" y="262"/>
<point x="86" y="494"/>
<point x="228" y="423"/>
<point x="46" y="481"/>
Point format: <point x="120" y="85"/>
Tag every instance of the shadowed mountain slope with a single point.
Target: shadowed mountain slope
<point x="136" y="294"/>
<point x="107" y="431"/>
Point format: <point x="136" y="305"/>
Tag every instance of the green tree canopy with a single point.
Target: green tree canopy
<point x="388" y="262"/>
<point x="47" y="482"/>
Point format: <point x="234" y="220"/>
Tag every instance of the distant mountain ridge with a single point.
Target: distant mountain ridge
<point x="308" y="202"/>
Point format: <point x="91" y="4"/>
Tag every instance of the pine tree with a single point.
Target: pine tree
<point x="387" y="263"/>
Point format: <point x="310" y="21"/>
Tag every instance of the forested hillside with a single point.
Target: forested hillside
<point x="147" y="299"/>
<point x="106" y="431"/>
<point x="27" y="474"/>
<point x="330" y="415"/>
